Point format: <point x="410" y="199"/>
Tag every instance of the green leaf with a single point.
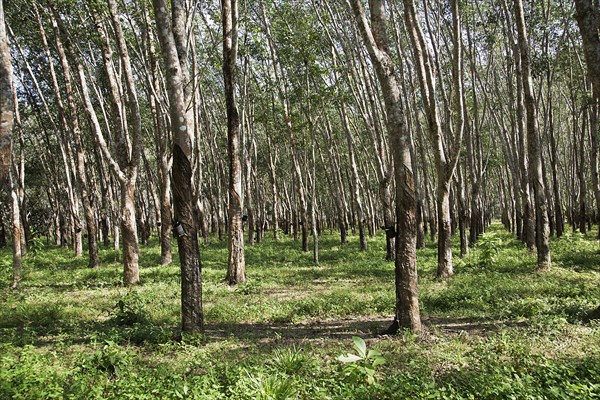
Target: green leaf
<point x="374" y="354"/>
<point x="378" y="361"/>
<point x="360" y="346"/>
<point x="349" y="358"/>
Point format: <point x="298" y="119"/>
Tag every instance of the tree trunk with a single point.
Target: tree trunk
<point x="189" y="254"/>
<point x="129" y="158"/>
<point x="236" y="270"/>
<point x="6" y="103"/>
<point x="16" y="231"/>
<point x="558" y="210"/>
<point x="446" y="154"/>
<point x="94" y="261"/>
<point x="274" y="193"/>
<point x="407" y="302"/>
<point x="358" y="206"/>
<point x="129" y="234"/>
<point x="581" y="218"/>
<point x="462" y="214"/>
<point x="389" y="225"/>
<point x="166" y="215"/>
<point x="594" y="157"/>
<point x="444" y="269"/>
<point x="533" y="146"/>
<point x="587" y="14"/>
<point x="283" y="99"/>
<point x="163" y="161"/>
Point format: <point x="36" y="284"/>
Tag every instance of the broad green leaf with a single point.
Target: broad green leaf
<point x="349" y="358"/>
<point x="374" y="353"/>
<point x="360" y="346"/>
<point x="378" y="361"/>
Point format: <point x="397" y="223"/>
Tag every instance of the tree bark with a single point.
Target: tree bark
<point x="355" y="183"/>
<point x="236" y="268"/>
<point x="94" y="259"/>
<point x="587" y="14"/>
<point x="6" y="102"/>
<point x="533" y="146"/>
<point x="131" y="161"/>
<point x="17" y="268"/>
<point x="446" y="156"/>
<point x="192" y="318"/>
<point x="407" y="302"/>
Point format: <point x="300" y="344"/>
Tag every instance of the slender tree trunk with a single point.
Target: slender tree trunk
<point x="528" y="233"/>
<point x="166" y="215"/>
<point x="251" y="219"/>
<point x="163" y="161"/>
<point x="375" y="38"/>
<point x="189" y="254"/>
<point x="462" y="213"/>
<point x="6" y="103"/>
<point x="533" y="146"/>
<point x="358" y="206"/>
<point x="16" y="232"/>
<point x="558" y="210"/>
<point x="446" y="154"/>
<point x="274" y="191"/>
<point x="587" y="14"/>
<point x="2" y="234"/>
<point x="129" y="232"/>
<point x="283" y="98"/>
<point x="94" y="261"/>
<point x="594" y="157"/>
<point x="313" y="190"/>
<point x="581" y="175"/>
<point x="236" y="270"/>
<point x="131" y="161"/>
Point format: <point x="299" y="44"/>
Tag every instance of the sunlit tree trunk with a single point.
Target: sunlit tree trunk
<point x="375" y="38"/>
<point x="73" y="117"/>
<point x="17" y="268"/>
<point x="446" y="147"/>
<point x="6" y="102"/>
<point x="355" y="185"/>
<point x="162" y="140"/>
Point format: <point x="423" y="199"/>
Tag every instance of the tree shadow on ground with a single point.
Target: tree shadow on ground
<point x="580" y="261"/>
<point x="264" y="332"/>
<point x="471" y="326"/>
<point x="369" y="327"/>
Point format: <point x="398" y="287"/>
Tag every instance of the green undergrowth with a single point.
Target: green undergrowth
<point x="497" y="329"/>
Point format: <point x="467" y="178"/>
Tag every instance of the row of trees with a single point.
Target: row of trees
<point x="295" y="117"/>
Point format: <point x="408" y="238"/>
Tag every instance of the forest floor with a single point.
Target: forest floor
<point x="497" y="329"/>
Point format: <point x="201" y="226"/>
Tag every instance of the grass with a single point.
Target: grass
<point x="497" y="329"/>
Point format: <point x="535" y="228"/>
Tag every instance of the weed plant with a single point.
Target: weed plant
<point x="496" y="330"/>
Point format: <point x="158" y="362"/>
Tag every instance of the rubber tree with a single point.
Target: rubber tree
<point x="375" y="38"/>
<point x="236" y="266"/>
<point x="446" y="146"/>
<point x="185" y="224"/>
<point x="6" y="102"/>
<point x="534" y="150"/>
<point x="587" y="14"/>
